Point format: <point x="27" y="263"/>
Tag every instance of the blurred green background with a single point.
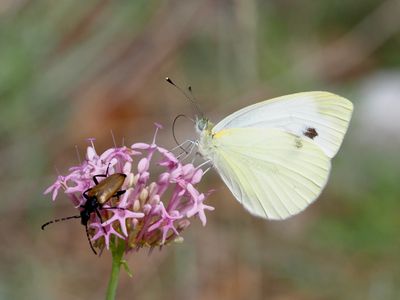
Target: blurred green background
<point x="70" y="70"/>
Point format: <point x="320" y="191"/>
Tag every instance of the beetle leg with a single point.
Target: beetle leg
<point x="107" y="169"/>
<point x="101" y="219"/>
<point x="101" y="175"/>
<point x="99" y="215"/>
<point x="85" y="194"/>
<point x="89" y="240"/>
<point x="95" y="178"/>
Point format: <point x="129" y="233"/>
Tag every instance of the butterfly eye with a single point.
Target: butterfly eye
<point x="201" y="124"/>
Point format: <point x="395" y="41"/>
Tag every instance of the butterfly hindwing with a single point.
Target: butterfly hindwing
<point x="273" y="173"/>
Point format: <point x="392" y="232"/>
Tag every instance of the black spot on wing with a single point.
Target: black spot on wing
<point x="310" y="132"/>
<point x="298" y="142"/>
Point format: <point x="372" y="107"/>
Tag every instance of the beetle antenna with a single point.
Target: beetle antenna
<point x="89" y="240"/>
<point x="191" y="99"/>
<point x="60" y="220"/>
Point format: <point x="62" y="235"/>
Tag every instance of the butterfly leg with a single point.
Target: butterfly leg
<point x="181" y="146"/>
<point x="203" y="164"/>
<point x="187" y="154"/>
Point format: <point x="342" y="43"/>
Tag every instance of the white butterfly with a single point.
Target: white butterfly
<point x="275" y="156"/>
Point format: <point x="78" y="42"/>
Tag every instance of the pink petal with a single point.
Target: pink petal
<point x="163" y="178"/>
<point x="158" y="125"/>
<point x="127" y="168"/>
<point x="187" y="169"/>
<point x="197" y="176"/>
<point x="143" y="165"/>
<point x="49" y="189"/>
<point x="142" y="146"/>
<point x="90" y="153"/>
<point x="192" y="191"/>
<point x="107" y="153"/>
<point x="55" y="193"/>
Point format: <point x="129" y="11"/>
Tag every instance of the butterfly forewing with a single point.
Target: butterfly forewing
<point x="319" y="116"/>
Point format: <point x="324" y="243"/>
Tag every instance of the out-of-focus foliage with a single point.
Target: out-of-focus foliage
<point x="70" y="70"/>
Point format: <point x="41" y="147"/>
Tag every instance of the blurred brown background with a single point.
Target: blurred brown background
<point x="70" y="70"/>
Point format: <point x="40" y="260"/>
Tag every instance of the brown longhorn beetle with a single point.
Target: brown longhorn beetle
<point x="96" y="197"/>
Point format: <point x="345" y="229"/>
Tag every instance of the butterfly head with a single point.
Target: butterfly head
<point x="203" y="124"/>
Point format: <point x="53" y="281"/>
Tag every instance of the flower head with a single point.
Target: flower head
<point x="147" y="210"/>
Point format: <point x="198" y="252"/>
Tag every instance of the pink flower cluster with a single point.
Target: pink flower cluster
<point x="153" y="211"/>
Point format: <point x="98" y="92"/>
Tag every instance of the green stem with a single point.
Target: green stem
<point x="117" y="251"/>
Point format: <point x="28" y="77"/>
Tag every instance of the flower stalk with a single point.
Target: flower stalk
<point x="117" y="252"/>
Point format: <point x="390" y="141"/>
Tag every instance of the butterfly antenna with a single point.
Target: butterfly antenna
<point x="173" y="132"/>
<point x="195" y="102"/>
<point x="192" y="100"/>
<point x="59" y="220"/>
<point x="89" y="240"/>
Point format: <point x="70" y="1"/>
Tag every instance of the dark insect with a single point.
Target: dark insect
<point x="96" y="197"/>
<point x="311" y="133"/>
